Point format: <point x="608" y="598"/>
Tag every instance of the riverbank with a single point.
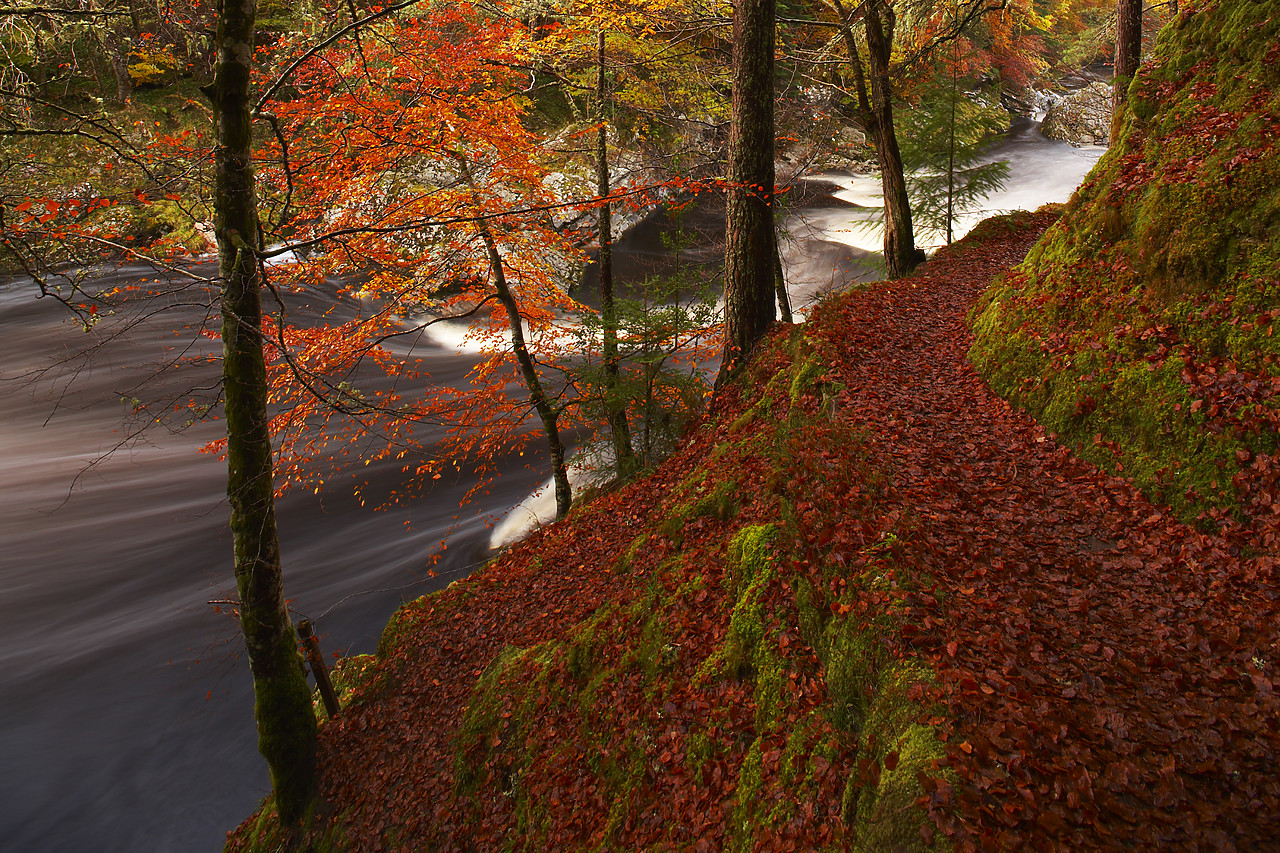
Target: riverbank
<point x="787" y="632"/>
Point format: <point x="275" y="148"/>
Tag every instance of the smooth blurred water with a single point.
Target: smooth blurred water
<point x="825" y="246"/>
<point x="125" y="703"/>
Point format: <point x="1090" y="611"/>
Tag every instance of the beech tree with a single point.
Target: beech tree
<point x="615" y="404"/>
<point x="282" y="698"/>
<point x="750" y="234"/>
<point x="880" y="54"/>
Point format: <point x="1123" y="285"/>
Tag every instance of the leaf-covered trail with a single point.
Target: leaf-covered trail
<point x="1110" y="672"/>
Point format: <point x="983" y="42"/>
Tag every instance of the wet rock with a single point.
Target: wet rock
<point x="1082" y="117"/>
<point x="1023" y="102"/>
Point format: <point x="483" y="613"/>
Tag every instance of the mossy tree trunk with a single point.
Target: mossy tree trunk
<point x="749" y="284"/>
<point x="615" y="400"/>
<point x="282" y="698"/>
<point x="1128" y="55"/>
<point x="875" y="110"/>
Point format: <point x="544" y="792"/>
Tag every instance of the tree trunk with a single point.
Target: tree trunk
<point x="116" y="42"/>
<point x="528" y="370"/>
<point x="537" y="395"/>
<point x="282" y="706"/>
<point x="780" y="283"/>
<point x="749" y="250"/>
<point x="900" y="250"/>
<point x="875" y="107"/>
<point x="615" y="400"/>
<point x="1128" y="55"/>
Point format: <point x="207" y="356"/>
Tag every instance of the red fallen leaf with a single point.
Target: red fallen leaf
<point x="891" y="761"/>
<point x="952" y="648"/>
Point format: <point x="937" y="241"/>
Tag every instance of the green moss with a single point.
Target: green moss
<point x="803" y="378"/>
<point x="851" y="658"/>
<point x="715" y="499"/>
<point x="585" y="655"/>
<point x="770" y="680"/>
<point x="620" y="780"/>
<point x="626" y="561"/>
<point x="698" y="751"/>
<point x="262" y="833"/>
<point x="810" y="619"/>
<point x="888" y="816"/>
<point x="741" y="829"/>
<point x="749" y="571"/>
<point x="882" y="811"/>
<point x="1167" y="257"/>
<point x="490" y="738"/>
<point x="351" y="677"/>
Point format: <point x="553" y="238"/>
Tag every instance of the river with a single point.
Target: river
<point x="125" y="702"/>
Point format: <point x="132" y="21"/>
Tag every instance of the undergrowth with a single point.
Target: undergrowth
<point x="786" y="653"/>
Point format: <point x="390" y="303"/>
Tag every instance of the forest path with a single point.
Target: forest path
<point x="1109" y="672"/>
<point x="1106" y="673"/>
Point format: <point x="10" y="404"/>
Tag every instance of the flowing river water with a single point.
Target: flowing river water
<point x="125" y="701"/>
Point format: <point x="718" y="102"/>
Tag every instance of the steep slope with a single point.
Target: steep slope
<point x="1142" y="329"/>
<point x="869" y="606"/>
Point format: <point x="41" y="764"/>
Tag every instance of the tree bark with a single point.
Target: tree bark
<point x="537" y="394"/>
<point x="749" y="250"/>
<point x="282" y="699"/>
<point x="1128" y="55"/>
<point x="615" y="401"/>
<point x="875" y="107"/>
<point x="780" y="283"/>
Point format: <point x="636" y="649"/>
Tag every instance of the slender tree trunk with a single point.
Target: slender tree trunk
<point x="951" y="128"/>
<point x="749" y="251"/>
<point x="615" y="400"/>
<point x="528" y="370"/>
<point x="900" y="250"/>
<point x="116" y="44"/>
<point x="1128" y="55"/>
<point x="282" y="699"/>
<point x="875" y="105"/>
<point x="780" y="283"/>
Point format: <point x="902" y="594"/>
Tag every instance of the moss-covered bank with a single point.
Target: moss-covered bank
<point x="1142" y="328"/>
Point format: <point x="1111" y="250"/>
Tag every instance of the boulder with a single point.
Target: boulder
<point x="1081" y="117"/>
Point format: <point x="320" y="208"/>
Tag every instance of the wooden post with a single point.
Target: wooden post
<point x="312" y="648"/>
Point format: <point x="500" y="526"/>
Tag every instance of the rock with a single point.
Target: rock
<point x="1021" y="103"/>
<point x="1082" y="117"/>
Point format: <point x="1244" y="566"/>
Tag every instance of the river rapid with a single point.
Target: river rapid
<point x="125" y="700"/>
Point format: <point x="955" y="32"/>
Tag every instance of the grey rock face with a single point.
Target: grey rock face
<point x="1082" y="117"/>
